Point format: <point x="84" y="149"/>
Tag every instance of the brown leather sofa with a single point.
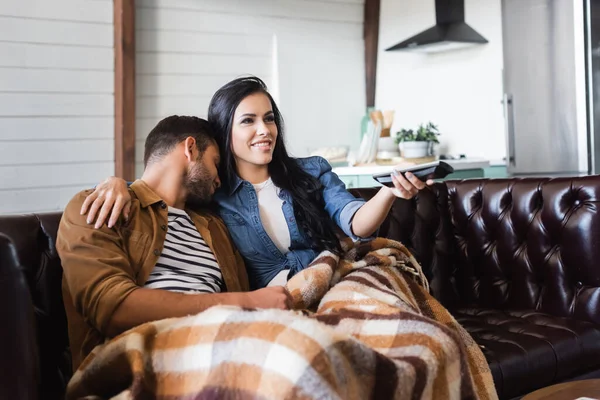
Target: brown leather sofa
<point x="516" y="261"/>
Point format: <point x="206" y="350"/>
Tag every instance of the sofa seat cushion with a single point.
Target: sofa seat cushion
<point x="528" y="350"/>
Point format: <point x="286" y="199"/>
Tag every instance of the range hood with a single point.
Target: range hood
<point x="449" y="32"/>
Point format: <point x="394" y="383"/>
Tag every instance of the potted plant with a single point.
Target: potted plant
<point x="419" y="143"/>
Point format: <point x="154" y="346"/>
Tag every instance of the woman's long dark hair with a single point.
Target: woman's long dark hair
<point x="306" y="191"/>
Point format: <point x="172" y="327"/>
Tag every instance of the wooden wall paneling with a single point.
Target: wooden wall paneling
<point x="371" y="35"/>
<point x="124" y="36"/>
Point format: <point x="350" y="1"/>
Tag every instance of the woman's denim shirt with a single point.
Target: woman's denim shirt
<point x="239" y="209"/>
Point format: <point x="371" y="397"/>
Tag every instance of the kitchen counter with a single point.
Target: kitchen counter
<point x="458" y="165"/>
<point x="361" y="176"/>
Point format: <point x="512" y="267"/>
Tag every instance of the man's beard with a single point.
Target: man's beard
<point x="198" y="184"/>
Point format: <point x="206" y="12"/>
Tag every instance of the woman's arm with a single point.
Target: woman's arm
<point x="368" y="218"/>
<point x="109" y="197"/>
<point x="357" y="218"/>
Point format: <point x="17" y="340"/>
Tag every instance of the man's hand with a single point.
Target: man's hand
<point x="144" y="305"/>
<point x="270" y="297"/>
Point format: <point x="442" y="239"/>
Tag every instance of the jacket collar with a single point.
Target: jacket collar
<point x="147" y="197"/>
<point x="144" y="193"/>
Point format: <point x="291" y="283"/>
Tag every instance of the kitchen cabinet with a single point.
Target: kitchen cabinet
<point x="351" y="181"/>
<point x="496" y="171"/>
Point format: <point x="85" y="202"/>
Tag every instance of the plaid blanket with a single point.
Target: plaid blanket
<point x="364" y="326"/>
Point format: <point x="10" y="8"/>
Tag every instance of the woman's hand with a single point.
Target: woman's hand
<point x="368" y="218"/>
<point x="110" y="197"/>
<point x="407" y="186"/>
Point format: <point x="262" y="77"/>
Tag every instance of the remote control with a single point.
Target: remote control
<point x="432" y="170"/>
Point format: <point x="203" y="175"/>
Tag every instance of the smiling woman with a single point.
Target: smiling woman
<point x="249" y="130"/>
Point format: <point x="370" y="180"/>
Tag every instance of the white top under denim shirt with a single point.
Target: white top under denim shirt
<point x="264" y="260"/>
<point x="270" y="206"/>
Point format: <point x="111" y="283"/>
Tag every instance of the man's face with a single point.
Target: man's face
<point x="202" y="177"/>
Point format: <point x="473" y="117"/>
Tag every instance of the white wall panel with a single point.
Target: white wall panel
<point x="284" y="9"/>
<point x="203" y="43"/>
<point x="57" y="128"/>
<point x="65" y="10"/>
<point x="39" y="200"/>
<point x="56" y="101"/>
<point x="182" y="84"/>
<point x="44" y="56"/>
<point x="201" y="64"/>
<point x="159" y="107"/>
<point x="56" y="81"/>
<point x="43" y="177"/>
<point x="56" y="152"/>
<point x="24" y="104"/>
<point x="164" y="19"/>
<point x="25" y="30"/>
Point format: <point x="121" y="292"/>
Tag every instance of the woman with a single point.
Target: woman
<point x="281" y="211"/>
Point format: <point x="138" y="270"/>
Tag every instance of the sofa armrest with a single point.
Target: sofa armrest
<point x="19" y="361"/>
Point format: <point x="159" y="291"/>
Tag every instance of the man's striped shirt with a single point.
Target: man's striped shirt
<point x="186" y="264"/>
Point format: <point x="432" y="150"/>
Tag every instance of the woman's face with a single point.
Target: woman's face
<point x="253" y="132"/>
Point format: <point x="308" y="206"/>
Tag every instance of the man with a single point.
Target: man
<point x="164" y="260"/>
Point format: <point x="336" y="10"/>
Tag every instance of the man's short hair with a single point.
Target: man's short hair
<point x="173" y="130"/>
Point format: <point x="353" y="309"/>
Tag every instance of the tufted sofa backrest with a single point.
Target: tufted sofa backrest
<point x="531" y="243"/>
<point x="528" y="243"/>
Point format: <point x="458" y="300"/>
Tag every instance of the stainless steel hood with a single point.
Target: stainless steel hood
<point x="449" y="32"/>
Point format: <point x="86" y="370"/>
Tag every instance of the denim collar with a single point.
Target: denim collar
<point x="235" y="184"/>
